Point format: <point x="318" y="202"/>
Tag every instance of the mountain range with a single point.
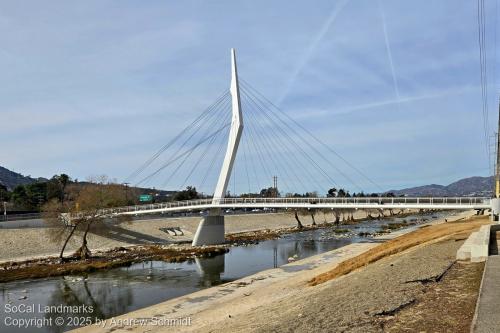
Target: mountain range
<point x="472" y="186"/>
<point x="11" y="179"/>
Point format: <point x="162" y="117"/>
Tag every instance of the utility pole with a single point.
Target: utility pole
<point x="4" y="205"/>
<point x="126" y="191"/>
<point x="495" y="202"/>
<point x="275" y="186"/>
<point x="497" y="167"/>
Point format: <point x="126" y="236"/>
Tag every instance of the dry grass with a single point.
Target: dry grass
<point x="418" y="237"/>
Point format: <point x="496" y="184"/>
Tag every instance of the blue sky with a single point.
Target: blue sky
<point x="96" y="87"/>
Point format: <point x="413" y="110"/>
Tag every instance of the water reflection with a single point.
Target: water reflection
<point x="210" y="270"/>
<point x="91" y="299"/>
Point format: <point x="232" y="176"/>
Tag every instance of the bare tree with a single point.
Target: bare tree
<point x="56" y="213"/>
<point x="299" y="224"/>
<point x="91" y="205"/>
<point x="85" y="208"/>
<point x="312" y="212"/>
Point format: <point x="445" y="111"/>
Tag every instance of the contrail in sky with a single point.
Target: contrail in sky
<point x="367" y="106"/>
<point x="389" y="52"/>
<point x="312" y="47"/>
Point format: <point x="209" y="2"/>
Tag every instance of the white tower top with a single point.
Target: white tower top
<point x="234" y="133"/>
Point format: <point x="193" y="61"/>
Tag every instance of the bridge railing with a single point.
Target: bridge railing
<point x="358" y="200"/>
<point x="242" y="202"/>
<point x="159" y="206"/>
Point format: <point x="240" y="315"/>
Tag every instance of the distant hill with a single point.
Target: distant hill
<point x="11" y="179"/>
<point x="472" y="186"/>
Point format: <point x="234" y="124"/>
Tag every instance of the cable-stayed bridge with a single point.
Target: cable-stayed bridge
<point x="310" y="203"/>
<point x="272" y="144"/>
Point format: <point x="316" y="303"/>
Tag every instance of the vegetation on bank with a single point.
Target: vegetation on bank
<point x="402" y="243"/>
<point x="119" y="257"/>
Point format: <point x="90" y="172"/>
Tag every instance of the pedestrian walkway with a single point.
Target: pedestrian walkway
<point x="487" y="317"/>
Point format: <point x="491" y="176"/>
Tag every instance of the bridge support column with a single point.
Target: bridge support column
<point x="495" y="209"/>
<point x="210" y="231"/>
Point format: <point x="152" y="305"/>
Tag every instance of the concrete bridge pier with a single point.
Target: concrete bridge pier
<point x="495" y="209"/>
<point x="210" y="231"/>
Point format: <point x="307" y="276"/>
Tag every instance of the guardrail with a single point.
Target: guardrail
<point x="273" y="202"/>
<point x="19" y="217"/>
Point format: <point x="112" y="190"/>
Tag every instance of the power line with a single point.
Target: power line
<point x="481" y="22"/>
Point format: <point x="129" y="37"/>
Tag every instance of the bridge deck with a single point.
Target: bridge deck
<point x="464" y="203"/>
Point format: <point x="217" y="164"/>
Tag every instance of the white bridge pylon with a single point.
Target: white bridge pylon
<point x="211" y="228"/>
<point x="234" y="133"/>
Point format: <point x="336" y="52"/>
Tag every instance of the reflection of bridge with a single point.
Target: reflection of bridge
<point x="464" y="203"/>
<point x="211" y="228"/>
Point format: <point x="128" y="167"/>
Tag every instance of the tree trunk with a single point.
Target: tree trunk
<point x="314" y="221"/>
<point x="61" y="255"/>
<point x="83" y="252"/>
<point x="299" y="225"/>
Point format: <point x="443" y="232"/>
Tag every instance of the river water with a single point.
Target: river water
<point x="113" y="292"/>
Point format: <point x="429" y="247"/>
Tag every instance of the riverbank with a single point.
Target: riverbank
<point x="128" y="254"/>
<point x="119" y="257"/>
<point x="24" y="244"/>
<point x="32" y="243"/>
<point x="282" y="300"/>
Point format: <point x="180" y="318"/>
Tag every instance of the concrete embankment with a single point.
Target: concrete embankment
<point x="282" y="295"/>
